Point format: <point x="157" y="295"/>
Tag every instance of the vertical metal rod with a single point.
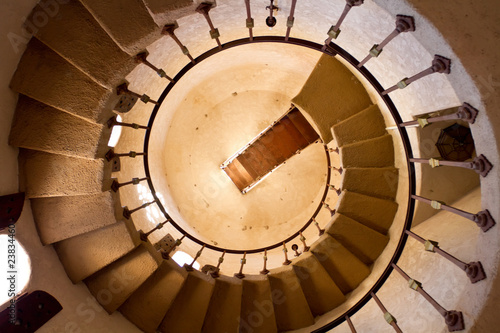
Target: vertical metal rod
<point x="249" y="22"/>
<point x="113" y="122"/>
<point x="203" y="9"/>
<point x="285" y="252"/>
<point x="388" y="317"/>
<point x="198" y="254"/>
<point x="321" y="231"/>
<point x="479" y="164"/>
<point x="351" y="326"/>
<point x="291" y="19"/>
<point x="240" y="274"/>
<point x="264" y="271"/>
<point x="465" y="112"/>
<point x="215" y="274"/>
<point x="142" y="58"/>
<point x="127" y="212"/>
<point x="116" y="185"/>
<point x="144" y="236"/>
<point x="169" y="30"/>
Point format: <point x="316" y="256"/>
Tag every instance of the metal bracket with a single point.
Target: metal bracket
<point x="454" y="320"/>
<point x="475" y="271"/>
<point x="11" y="207"/>
<point x="484" y="220"/>
<point x="126" y="103"/>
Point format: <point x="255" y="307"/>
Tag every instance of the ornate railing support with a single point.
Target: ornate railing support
<point x="303" y="240"/>
<point x="332" y="150"/>
<point x="264" y="270"/>
<point x="166" y="254"/>
<point x="144" y="236"/>
<point x="111" y="154"/>
<point x="122" y="89"/>
<point x="203" y="9"/>
<point x="333" y="188"/>
<point x="243" y="261"/>
<point x="465" y="112"/>
<point x="135" y="181"/>
<point x="169" y="30"/>
<point x="290" y="20"/>
<point x="403" y="24"/>
<point x="127" y="212"/>
<point x="215" y="273"/>
<point x="249" y="22"/>
<point x="351" y="325"/>
<point x="327" y="206"/>
<point x="142" y="59"/>
<point x="198" y="254"/>
<point x="480" y="164"/>
<point x="285" y="252"/>
<point x="440" y="64"/>
<point x="334" y="31"/>
<point x="474" y="270"/>
<point x="321" y="231"/>
<point x="389" y="318"/>
<point x="483" y="219"/>
<point x="453" y="319"/>
<point x="339" y="169"/>
<point x="113" y="122"/>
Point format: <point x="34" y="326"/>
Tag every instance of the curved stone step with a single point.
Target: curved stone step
<point x="187" y="312"/>
<point x="129" y="24"/>
<point x="167" y="11"/>
<point x="223" y="314"/>
<point x="363" y="242"/>
<point x="290" y="304"/>
<point x="375" y="213"/>
<point x="150" y="302"/>
<point x="44" y="75"/>
<point x="112" y="285"/>
<point x="321" y="292"/>
<point x="372" y="153"/>
<point x="59" y="218"/>
<point x="367" y="124"/>
<point x="345" y="269"/>
<point x="93" y="52"/>
<point x="331" y="94"/>
<point x="38" y="126"/>
<point x="376" y="182"/>
<point x="86" y="254"/>
<point x="48" y="175"/>
<point x="257" y="310"/>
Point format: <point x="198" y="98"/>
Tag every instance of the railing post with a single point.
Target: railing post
<point x="166" y="255"/>
<point x="332" y="150"/>
<point x="474" y="270"/>
<point x="303" y="240"/>
<point x="243" y="261"/>
<point x="113" y="122"/>
<point x="440" y="64"/>
<point x="203" y="9"/>
<point x="333" y="188"/>
<point x="127" y="212"/>
<point x="111" y="154"/>
<point x="389" y="318"/>
<point x="198" y="254"/>
<point x="351" y="326"/>
<point x="264" y="271"/>
<point x="403" y="24"/>
<point x="142" y="59"/>
<point x="135" y="181"/>
<point x="321" y="231"/>
<point x="144" y="236"/>
<point x="465" y="112"/>
<point x="290" y="20"/>
<point x="480" y="164"/>
<point x="249" y="22"/>
<point x="169" y="30"/>
<point x="339" y="169"/>
<point x="122" y="89"/>
<point x="285" y="252"/>
<point x="327" y="206"/>
<point x="215" y="274"/>
<point x="334" y="31"/>
<point x="483" y="219"/>
<point x="453" y="319"/>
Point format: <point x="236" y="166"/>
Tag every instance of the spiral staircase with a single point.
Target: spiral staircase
<point x="69" y="84"/>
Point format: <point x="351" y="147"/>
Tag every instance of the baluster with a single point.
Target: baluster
<point x="249" y="22"/>
<point x="203" y="9"/>
<point x="285" y="252"/>
<point x="339" y="169"/>
<point x="144" y="236"/>
<point x="116" y="185"/>
<point x="215" y="273"/>
<point x="331" y="150"/>
<point x="453" y="319"/>
<point x="271" y="20"/>
<point x="127" y="212"/>
<point x="483" y="219"/>
<point x="337" y="190"/>
<point x="327" y="206"/>
<point x="321" y="231"/>
<point x="334" y="31"/>
<point x="480" y="164"/>
<point x="440" y="64"/>
<point x="122" y="89"/>
<point x="351" y="326"/>
<point x="141" y="58"/>
<point x="264" y="271"/>
<point x="303" y="240"/>
<point x="291" y="19"/>
<point x="465" y="112"/>
<point x="243" y="261"/>
<point x="169" y="30"/>
<point x="166" y="255"/>
<point x="474" y="270"/>
<point x="388" y="317"/>
<point x="198" y="254"/>
<point x="113" y="122"/>
<point x="111" y="154"/>
<point x="403" y="24"/>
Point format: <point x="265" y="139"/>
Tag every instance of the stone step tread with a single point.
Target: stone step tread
<point x="367" y="244"/>
<point x="376" y="152"/>
<point x="257" y="310"/>
<point x="376" y="182"/>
